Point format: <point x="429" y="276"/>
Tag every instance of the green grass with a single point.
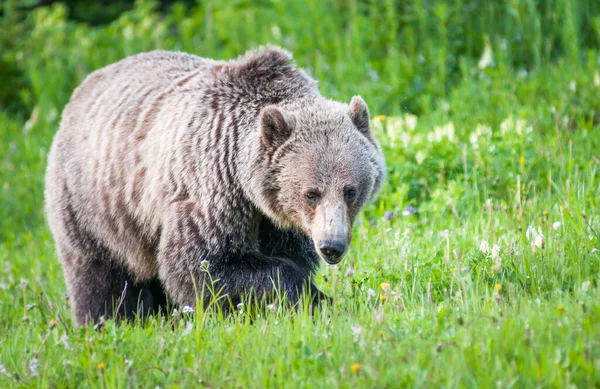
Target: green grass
<point x="490" y="153"/>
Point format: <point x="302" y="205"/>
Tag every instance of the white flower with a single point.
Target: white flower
<point x="33" y="366"/>
<point x="65" y="341"/>
<point x="445" y="234"/>
<point x="585" y="285"/>
<point x="371" y="293"/>
<point x="410" y="121"/>
<point x="536" y="237"/>
<point x="420" y="157"/>
<point x="187" y="309"/>
<point x="484" y="246"/>
<point x="3" y="371"/>
<point x="496" y="252"/>
<point x="556" y="225"/>
<point x="487" y="56"/>
<point x="188" y="328"/>
<point x="357" y="330"/>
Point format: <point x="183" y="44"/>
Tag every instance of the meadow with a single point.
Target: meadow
<point x="477" y="266"/>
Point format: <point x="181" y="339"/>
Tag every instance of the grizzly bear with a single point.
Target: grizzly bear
<point x="174" y="176"/>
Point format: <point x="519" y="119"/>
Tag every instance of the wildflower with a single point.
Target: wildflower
<point x="560" y="309"/>
<point x="33" y="365"/>
<point x="388" y="215"/>
<point x="382" y="298"/>
<point x="371" y="293"/>
<point x="410" y="121"/>
<point x="188" y="328"/>
<point x="357" y="331"/>
<point x="420" y="157"/>
<point x="484" y="246"/>
<point x="545" y="213"/>
<point x="585" y="285"/>
<point x="187" y="309"/>
<point x="495" y="252"/>
<point x="65" y="341"/>
<point x="536" y="237"/>
<point x="385" y="286"/>
<point x="556" y="225"/>
<point x="101" y="366"/>
<point x="355" y="367"/>
<point x="410" y="210"/>
<point x="486" y="59"/>
<point x="522" y="160"/>
<point x="445" y="234"/>
<point x="498" y="288"/>
<point x="3" y="371"/>
<point x="379" y="118"/>
<point x="272" y="307"/>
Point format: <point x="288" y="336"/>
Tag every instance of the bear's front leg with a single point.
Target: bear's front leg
<point x="186" y="277"/>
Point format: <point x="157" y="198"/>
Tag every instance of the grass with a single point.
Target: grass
<point x="484" y="153"/>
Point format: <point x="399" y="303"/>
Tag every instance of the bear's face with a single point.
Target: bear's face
<point x="324" y="166"/>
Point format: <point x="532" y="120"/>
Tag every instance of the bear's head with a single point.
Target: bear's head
<point x="321" y="164"/>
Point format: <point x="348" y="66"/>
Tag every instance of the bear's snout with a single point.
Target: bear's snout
<point x="332" y="251"/>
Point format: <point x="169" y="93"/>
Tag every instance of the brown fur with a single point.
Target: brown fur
<point x="165" y="159"/>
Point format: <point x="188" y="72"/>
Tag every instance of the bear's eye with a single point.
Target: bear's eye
<point x="312" y="195"/>
<point x="349" y="194"/>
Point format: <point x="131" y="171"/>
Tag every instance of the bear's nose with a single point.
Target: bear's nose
<point x="332" y="250"/>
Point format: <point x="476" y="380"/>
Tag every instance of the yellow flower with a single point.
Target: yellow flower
<point x="545" y="213"/>
<point x="498" y="288"/>
<point x="382" y="298"/>
<point x="560" y="309"/>
<point x="385" y="285"/>
<point x="522" y="160"/>
<point x="101" y="366"/>
<point x="355" y="367"/>
<point x="379" y="118"/>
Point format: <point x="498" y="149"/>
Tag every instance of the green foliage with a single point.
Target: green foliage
<point x="491" y="133"/>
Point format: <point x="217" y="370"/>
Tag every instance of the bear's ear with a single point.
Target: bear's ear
<point x="275" y="126"/>
<point x="359" y="113"/>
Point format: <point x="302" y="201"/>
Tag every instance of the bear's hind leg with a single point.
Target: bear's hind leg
<point x="98" y="286"/>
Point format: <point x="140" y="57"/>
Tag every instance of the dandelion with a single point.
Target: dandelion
<point x="522" y="160"/>
<point x="498" y="288"/>
<point x="101" y="366"/>
<point x="379" y="118"/>
<point x="355" y="367"/>
<point x="556" y="226"/>
<point x="382" y="298"/>
<point x="545" y="213"/>
<point x="484" y="246"/>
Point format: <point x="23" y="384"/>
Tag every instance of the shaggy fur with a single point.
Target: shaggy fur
<point x="165" y="160"/>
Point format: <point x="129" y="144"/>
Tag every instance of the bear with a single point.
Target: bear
<point x="173" y="177"/>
